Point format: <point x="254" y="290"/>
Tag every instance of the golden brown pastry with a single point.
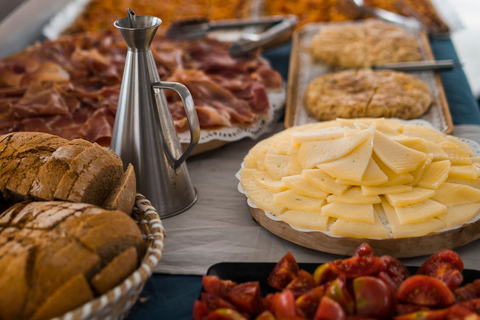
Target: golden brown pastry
<point x="359" y="45"/>
<point x="367" y="93"/>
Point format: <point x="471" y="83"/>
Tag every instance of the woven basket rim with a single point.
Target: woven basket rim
<point x="153" y="233"/>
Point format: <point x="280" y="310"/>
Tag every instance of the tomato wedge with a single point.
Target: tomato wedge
<point x="329" y="309"/>
<point x="200" y="310"/>
<point x="265" y="315"/>
<point x="445" y="265"/>
<point x="284" y="306"/>
<point x="395" y="270"/>
<point x="285" y="271"/>
<point x="309" y="301"/>
<point x="214" y="302"/>
<point x="215" y="286"/>
<point x="337" y="290"/>
<point x="323" y="274"/>
<point x="468" y="292"/>
<point x="424" y="315"/>
<point x="247" y="297"/>
<point x="302" y="283"/>
<point x="226" y="314"/>
<point x="362" y="263"/>
<point x="373" y="298"/>
<point x="425" y="291"/>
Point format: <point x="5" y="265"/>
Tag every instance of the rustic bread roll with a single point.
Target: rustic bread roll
<point x="40" y="166"/>
<point x="364" y="44"/>
<point x="367" y="93"/>
<point x="57" y="255"/>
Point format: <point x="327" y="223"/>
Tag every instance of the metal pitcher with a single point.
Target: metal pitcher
<point x="144" y="134"/>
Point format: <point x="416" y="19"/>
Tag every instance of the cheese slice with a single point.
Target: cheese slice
<point x="451" y="194"/>
<point x="356" y="229"/>
<point x="459" y="214"/>
<point x="467" y="172"/>
<point x="313" y="153"/>
<point x="328" y="133"/>
<point x="455" y="154"/>
<point x="354" y="195"/>
<point x="307" y="220"/>
<point x="374" y="191"/>
<point x="349" y="211"/>
<point x="420" y="171"/>
<point x="294" y="166"/>
<point x="436" y="151"/>
<point x="323" y="181"/>
<point x="472" y="183"/>
<point x="277" y="165"/>
<point x="397" y="157"/>
<point x="423" y="132"/>
<point x="263" y="199"/>
<point x="394" y="179"/>
<point x="414" y="196"/>
<point x="462" y="145"/>
<point x="420" y="212"/>
<point x="435" y="174"/>
<point x="353" y="165"/>
<point x="412" y="143"/>
<point x="256" y="156"/>
<point x="373" y="176"/>
<point x="409" y="230"/>
<point x="299" y="185"/>
<point x="295" y="201"/>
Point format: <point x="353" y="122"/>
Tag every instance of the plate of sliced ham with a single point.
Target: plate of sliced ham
<point x="70" y="86"/>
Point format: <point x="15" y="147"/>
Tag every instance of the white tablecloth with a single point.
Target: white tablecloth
<point x="219" y="227"/>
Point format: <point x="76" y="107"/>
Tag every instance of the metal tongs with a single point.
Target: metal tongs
<point x="419" y="65"/>
<point x="277" y="27"/>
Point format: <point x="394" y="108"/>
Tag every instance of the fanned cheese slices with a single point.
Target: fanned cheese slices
<point x="364" y="178"/>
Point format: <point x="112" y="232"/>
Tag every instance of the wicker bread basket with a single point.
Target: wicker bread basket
<point x="116" y="303"/>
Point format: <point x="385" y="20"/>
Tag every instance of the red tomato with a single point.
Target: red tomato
<point x="220" y="288"/>
<point x="337" y="290"/>
<point x="458" y="312"/>
<point x="309" y="301"/>
<point x="268" y="302"/>
<point x="468" y="292"/>
<point x="424" y="315"/>
<point x="265" y="315"/>
<point x="425" y="291"/>
<point x="284" y="272"/>
<point x="404" y="308"/>
<point x="284" y="306"/>
<point x="472" y="305"/>
<point x="247" y="297"/>
<point x="226" y="314"/>
<point x="323" y="274"/>
<point x="200" y="310"/>
<point x="303" y="283"/>
<point x="214" y="302"/>
<point x="363" y="263"/>
<point x="373" y="297"/>
<point x="329" y="310"/>
<point x="395" y="270"/>
<point x="446" y="266"/>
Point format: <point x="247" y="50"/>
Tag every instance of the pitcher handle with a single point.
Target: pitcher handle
<point x="192" y="119"/>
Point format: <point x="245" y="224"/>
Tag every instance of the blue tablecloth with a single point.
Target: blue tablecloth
<point x="172" y="296"/>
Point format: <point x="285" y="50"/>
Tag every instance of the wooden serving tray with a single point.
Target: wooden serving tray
<point x="399" y="248"/>
<point x="302" y="70"/>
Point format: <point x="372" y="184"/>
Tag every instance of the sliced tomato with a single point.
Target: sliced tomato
<point x="213" y="285"/>
<point x="404" y="308"/>
<point x="200" y="310"/>
<point x="445" y="265"/>
<point x="426" y="291"/>
<point x="284" y="272"/>
<point x="226" y="314"/>
<point x="265" y="315"/>
<point x="337" y="290"/>
<point x="214" y="302"/>
<point x="247" y="297"/>
<point x="309" y="301"/>
<point x="373" y="298"/>
<point x="424" y="315"/>
<point x="284" y="306"/>
<point x="362" y="263"/>
<point x="323" y="274"/>
<point x="472" y="305"/>
<point x="396" y="271"/>
<point x="329" y="309"/>
<point x="458" y="312"/>
<point x="468" y="292"/>
<point x="302" y="283"/>
<point x="268" y="302"/>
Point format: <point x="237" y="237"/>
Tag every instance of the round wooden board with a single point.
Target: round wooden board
<point x="399" y="248"/>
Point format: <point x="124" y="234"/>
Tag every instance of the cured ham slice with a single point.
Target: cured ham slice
<point x="70" y="86"/>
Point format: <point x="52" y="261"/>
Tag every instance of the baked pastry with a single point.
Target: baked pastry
<point x="364" y="44"/>
<point x="55" y="256"/>
<point x="40" y="166"/>
<point x="367" y="93"/>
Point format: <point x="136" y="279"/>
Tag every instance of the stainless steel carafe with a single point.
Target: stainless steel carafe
<point x="144" y="134"/>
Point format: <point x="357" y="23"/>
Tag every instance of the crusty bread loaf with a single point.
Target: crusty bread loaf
<point x="40" y="166"/>
<point x="57" y="255"/>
